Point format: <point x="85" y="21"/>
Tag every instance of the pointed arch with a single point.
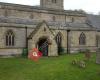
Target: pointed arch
<point x="10" y="38"/>
<point x="82" y="39"/>
<point x="58" y="39"/>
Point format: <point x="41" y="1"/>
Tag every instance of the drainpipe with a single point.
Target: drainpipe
<point x="68" y="47"/>
<point x="26" y="36"/>
<point x="26" y="39"/>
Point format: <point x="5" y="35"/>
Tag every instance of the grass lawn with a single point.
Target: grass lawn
<point x="52" y="68"/>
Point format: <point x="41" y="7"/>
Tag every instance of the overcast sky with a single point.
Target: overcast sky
<point x="91" y="6"/>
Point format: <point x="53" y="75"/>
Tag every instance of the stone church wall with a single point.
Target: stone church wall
<point x="39" y="16"/>
<point x="76" y="19"/>
<point x="98" y="39"/>
<point x="16" y="14"/>
<point x="27" y="16"/>
<point x="20" y="41"/>
<point x="11" y="52"/>
<point x="2" y="11"/>
<point x="90" y="41"/>
<point x="19" y="36"/>
<point x="64" y="38"/>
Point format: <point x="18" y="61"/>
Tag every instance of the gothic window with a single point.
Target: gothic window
<point x="54" y="1"/>
<point x="59" y="41"/>
<point x="10" y="38"/>
<point x="82" y="39"/>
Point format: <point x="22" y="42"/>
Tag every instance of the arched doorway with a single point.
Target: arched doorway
<point x="43" y="46"/>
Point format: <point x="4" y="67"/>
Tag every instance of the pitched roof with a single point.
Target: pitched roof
<point x="94" y="20"/>
<point x="37" y="28"/>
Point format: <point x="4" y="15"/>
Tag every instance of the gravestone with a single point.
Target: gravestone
<point x="98" y="56"/>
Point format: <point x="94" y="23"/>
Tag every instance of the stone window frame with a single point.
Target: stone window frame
<point x="82" y="39"/>
<point x="59" y="38"/>
<point x="10" y="38"/>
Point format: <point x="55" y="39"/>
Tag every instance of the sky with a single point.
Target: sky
<point x="90" y="6"/>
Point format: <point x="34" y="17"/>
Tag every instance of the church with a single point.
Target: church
<point x="47" y="27"/>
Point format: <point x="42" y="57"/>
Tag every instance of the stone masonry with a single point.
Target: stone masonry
<point x="30" y="23"/>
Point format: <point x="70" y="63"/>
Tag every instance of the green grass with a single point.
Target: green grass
<point x="52" y="68"/>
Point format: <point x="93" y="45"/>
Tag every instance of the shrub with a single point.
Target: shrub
<point x="74" y="62"/>
<point x="60" y="50"/>
<point x="25" y="52"/>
